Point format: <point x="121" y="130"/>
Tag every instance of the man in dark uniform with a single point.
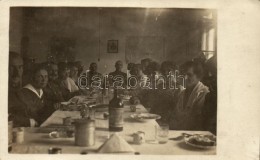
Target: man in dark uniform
<point x="118" y="78"/>
<point x="94" y="76"/>
<point x="15" y="80"/>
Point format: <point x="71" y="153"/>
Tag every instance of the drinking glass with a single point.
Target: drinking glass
<point x="162" y="132"/>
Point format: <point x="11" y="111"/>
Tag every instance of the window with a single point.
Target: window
<point x="208" y="45"/>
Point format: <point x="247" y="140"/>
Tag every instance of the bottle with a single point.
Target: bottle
<point x="116" y="111"/>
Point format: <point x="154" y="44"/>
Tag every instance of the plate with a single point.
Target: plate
<point x="145" y="117"/>
<point x="201" y="141"/>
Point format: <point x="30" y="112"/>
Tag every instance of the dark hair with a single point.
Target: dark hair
<point x="118" y="62"/>
<point x="130" y="66"/>
<point x="80" y="67"/>
<point x="93" y="63"/>
<point x="37" y="67"/>
<point x="153" y="66"/>
<point x="48" y="65"/>
<point x="136" y="67"/>
<point x="197" y="68"/>
<point x="167" y="64"/>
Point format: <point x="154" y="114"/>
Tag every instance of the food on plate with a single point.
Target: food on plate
<point x="202" y="140"/>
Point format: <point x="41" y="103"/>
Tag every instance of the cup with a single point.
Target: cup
<point x="139" y="137"/>
<point x="162" y="132"/>
<point x="18" y="135"/>
<point x="105" y="115"/>
<point x="133" y="108"/>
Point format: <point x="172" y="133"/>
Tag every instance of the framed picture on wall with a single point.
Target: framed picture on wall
<point x="112" y="46"/>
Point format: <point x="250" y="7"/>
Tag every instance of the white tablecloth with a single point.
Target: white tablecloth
<point x="39" y="142"/>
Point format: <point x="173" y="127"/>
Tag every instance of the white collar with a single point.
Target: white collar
<point x="30" y="87"/>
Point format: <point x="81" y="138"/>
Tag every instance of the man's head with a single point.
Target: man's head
<point x="63" y="71"/>
<point x="193" y="73"/>
<point x="73" y="70"/>
<point x="152" y="68"/>
<point x="40" y="77"/>
<point x="93" y="67"/>
<point x="130" y="66"/>
<point x="145" y="63"/>
<point x="80" y="67"/>
<point x="53" y="71"/>
<point x="136" y="70"/>
<point x="15" y="69"/>
<point x="166" y="67"/>
<point x="119" y="65"/>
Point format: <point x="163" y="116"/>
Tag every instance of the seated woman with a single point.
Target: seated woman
<point x="67" y="86"/>
<point x="187" y="112"/>
<point x="29" y="109"/>
<point x="73" y="72"/>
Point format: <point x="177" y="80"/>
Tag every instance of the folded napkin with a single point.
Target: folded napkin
<point x="115" y="144"/>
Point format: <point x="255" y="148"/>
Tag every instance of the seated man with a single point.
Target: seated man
<point x="31" y="111"/>
<point x="140" y="78"/>
<point x="52" y="91"/>
<point x="80" y="67"/>
<point x="94" y="78"/>
<point x="130" y="66"/>
<point x="210" y="106"/>
<point x="145" y="63"/>
<point x="15" y="80"/>
<point x="187" y="113"/>
<point x="15" y="71"/>
<point x="138" y="90"/>
<point x="118" y="75"/>
<point x="159" y="100"/>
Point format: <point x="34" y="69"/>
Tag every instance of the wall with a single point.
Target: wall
<point x="161" y="34"/>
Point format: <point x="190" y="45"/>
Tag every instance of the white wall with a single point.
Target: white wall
<point x="177" y="28"/>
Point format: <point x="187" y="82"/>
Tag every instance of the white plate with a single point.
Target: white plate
<point x="145" y="117"/>
<point x="189" y="140"/>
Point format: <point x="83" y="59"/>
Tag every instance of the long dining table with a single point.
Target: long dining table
<point x="37" y="140"/>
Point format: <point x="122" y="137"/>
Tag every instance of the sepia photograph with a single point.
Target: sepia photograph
<point x="112" y="80"/>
